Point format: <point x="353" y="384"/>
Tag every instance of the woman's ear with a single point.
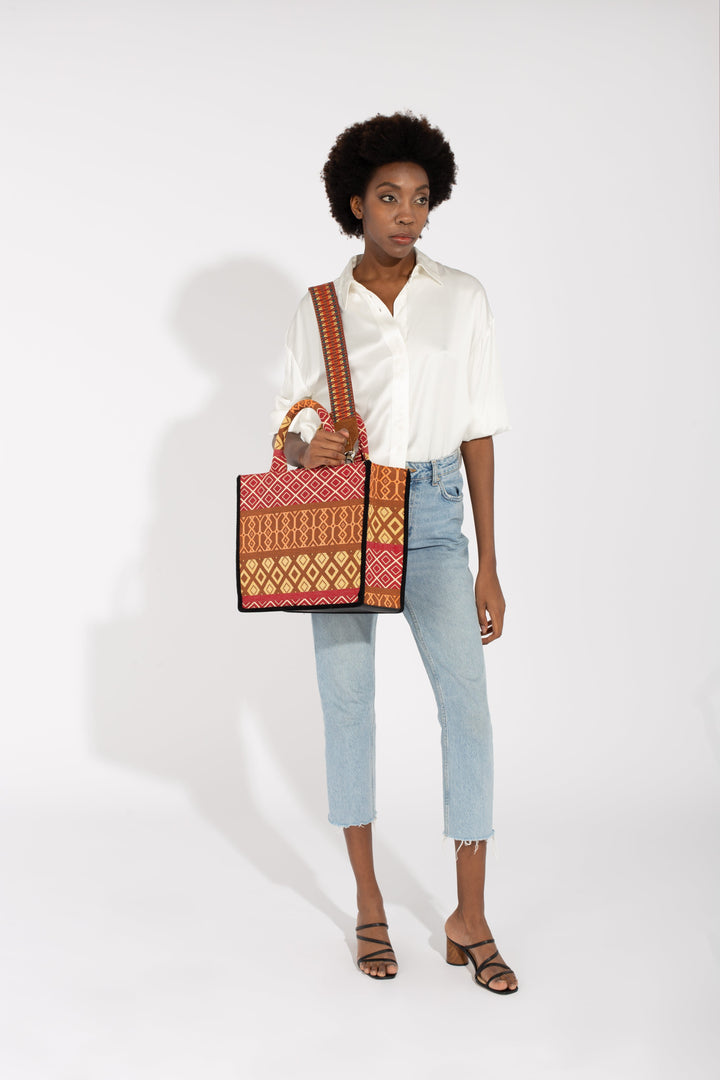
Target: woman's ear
<point x="356" y="206"/>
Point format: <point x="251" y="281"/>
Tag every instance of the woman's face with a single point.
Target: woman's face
<point x="394" y="208"/>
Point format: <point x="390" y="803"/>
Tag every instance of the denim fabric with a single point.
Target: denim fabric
<point x="440" y="608"/>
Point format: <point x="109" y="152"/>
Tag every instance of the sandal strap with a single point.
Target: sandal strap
<point x="375" y="941"/>
<point x="372" y="940"/>
<point x="370" y="955"/>
<point x="490" y="941"/>
<point x="499" y="975"/>
<point x="488" y="962"/>
<point x="491" y="962"/>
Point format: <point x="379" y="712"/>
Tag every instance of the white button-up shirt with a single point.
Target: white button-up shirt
<point x="425" y="377"/>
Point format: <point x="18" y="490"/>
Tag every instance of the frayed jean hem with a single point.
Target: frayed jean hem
<point x="468" y="843"/>
<point x="351" y="824"/>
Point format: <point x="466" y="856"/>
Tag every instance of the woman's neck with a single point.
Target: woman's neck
<point x="383" y="268"/>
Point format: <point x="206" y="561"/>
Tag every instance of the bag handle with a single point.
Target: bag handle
<point x="337" y="365"/>
<point x="278" y="463"/>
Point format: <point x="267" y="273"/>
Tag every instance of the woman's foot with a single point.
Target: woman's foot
<point x="466" y="931"/>
<point x="384" y="965"/>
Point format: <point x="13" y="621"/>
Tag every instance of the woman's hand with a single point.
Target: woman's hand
<point x="326" y="449"/>
<point x="490" y="605"/>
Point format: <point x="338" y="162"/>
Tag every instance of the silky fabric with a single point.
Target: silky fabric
<point x="440" y="608"/>
<point x="425" y="376"/>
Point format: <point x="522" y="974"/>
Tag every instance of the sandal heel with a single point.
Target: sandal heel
<point x="454" y="955"/>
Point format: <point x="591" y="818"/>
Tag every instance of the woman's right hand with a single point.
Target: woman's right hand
<point x="326" y="449"/>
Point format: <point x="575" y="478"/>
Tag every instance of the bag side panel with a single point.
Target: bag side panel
<point x="386" y="545"/>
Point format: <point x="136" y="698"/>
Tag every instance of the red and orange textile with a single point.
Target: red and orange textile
<point x="328" y="538"/>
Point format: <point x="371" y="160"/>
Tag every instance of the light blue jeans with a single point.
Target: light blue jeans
<point x="440" y="608"/>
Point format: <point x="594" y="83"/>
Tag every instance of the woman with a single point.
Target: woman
<point x="421" y="349"/>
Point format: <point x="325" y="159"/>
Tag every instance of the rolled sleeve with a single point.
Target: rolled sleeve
<point x="488" y="411"/>
<point x="294" y="388"/>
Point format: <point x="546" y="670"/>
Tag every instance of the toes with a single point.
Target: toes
<point x="378" y="968"/>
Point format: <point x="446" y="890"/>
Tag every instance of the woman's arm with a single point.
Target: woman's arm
<point x="479" y="459"/>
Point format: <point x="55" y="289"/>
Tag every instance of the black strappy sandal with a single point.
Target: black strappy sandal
<point x="376" y="954"/>
<point x="460" y="954"/>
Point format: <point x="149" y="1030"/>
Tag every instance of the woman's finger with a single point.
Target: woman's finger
<point x="329" y="440"/>
<point x="497" y="616"/>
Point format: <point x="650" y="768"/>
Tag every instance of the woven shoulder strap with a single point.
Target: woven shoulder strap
<point x="337" y="367"/>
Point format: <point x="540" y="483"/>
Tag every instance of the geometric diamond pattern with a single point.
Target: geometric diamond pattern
<point x="305" y="574"/>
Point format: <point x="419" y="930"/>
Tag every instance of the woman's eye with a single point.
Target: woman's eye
<point x="388" y="197"/>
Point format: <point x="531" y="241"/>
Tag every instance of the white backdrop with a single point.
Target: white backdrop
<point x="162" y="215"/>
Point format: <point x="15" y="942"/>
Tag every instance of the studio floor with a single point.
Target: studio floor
<point x="142" y="942"/>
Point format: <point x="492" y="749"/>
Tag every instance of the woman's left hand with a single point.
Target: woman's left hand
<point x="490" y="605"/>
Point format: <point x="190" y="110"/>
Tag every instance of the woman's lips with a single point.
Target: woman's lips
<point x="403" y="239"/>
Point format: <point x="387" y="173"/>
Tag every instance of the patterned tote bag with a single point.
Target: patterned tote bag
<point x="325" y="539"/>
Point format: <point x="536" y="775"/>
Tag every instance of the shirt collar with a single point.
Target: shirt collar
<point x="423" y="264"/>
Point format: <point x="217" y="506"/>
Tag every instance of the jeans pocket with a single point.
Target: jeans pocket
<point x="451" y="487"/>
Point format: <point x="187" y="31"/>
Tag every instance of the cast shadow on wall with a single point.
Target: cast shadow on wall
<point x="177" y="682"/>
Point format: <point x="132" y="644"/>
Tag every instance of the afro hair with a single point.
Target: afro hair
<point x="364" y="147"/>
